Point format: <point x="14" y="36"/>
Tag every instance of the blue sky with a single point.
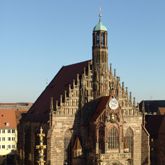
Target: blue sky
<point x="38" y="37"/>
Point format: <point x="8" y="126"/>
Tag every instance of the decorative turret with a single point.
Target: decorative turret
<point x="100" y="60"/>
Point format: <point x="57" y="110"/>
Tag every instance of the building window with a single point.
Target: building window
<point x="128" y="142"/>
<point x="3" y="146"/>
<point x="13" y="130"/>
<point x="103" y="39"/>
<point x="9" y="131"/>
<point x="13" y="146"/>
<point x="9" y="146"/>
<point x="77" y="148"/>
<point x="101" y="138"/>
<point x="3" y="138"/>
<point x="9" y="138"/>
<point x="3" y="131"/>
<point x="13" y="138"/>
<point x="113" y="138"/>
<point x="97" y="39"/>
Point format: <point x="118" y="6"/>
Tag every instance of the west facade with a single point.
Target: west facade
<point x="88" y="116"/>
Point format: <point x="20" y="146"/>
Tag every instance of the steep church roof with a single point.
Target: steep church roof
<point x="92" y="110"/>
<point x="41" y="108"/>
<point x="100" y="108"/>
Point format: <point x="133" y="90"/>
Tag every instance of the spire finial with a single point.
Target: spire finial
<point x="100" y="14"/>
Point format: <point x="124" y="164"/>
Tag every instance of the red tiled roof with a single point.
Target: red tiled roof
<point x="41" y="108"/>
<point x="100" y="108"/>
<point x="162" y="110"/>
<point x="7" y="118"/>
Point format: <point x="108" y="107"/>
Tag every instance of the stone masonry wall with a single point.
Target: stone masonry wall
<point x="145" y="147"/>
<point x="61" y="125"/>
<point x="135" y="123"/>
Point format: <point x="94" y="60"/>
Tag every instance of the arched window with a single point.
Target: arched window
<point x="77" y="148"/>
<point x="113" y="138"/>
<point x="129" y="140"/>
<point x="97" y="39"/>
<point x="102" y="39"/>
<point x="101" y="138"/>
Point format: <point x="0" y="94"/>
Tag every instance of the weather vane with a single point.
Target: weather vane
<point x="100" y="14"/>
<point x="100" y="10"/>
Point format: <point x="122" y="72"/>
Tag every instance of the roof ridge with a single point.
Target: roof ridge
<point x="76" y="63"/>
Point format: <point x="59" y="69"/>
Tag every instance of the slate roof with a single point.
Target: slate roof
<point x="153" y="124"/>
<point x="151" y="106"/>
<point x="39" y="112"/>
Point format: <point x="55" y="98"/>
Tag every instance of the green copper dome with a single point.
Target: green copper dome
<point x="99" y="26"/>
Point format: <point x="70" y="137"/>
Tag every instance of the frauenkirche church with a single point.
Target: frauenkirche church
<point x="87" y="115"/>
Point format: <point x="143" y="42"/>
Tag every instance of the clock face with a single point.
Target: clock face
<point x="113" y="104"/>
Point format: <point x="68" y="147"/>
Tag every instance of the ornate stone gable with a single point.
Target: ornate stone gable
<point x="109" y="133"/>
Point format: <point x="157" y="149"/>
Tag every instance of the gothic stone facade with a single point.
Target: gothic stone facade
<point x="88" y="116"/>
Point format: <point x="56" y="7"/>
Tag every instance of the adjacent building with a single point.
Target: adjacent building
<point x="152" y="107"/>
<point x="88" y="116"/>
<point x="154" y="121"/>
<point x="8" y="132"/>
<point x="16" y="106"/>
<point x="10" y="114"/>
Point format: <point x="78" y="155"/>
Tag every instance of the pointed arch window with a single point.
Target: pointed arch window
<point x="97" y="39"/>
<point x="77" y="148"/>
<point x="103" y="39"/>
<point x="129" y="140"/>
<point x="113" y="138"/>
<point x="101" y="138"/>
